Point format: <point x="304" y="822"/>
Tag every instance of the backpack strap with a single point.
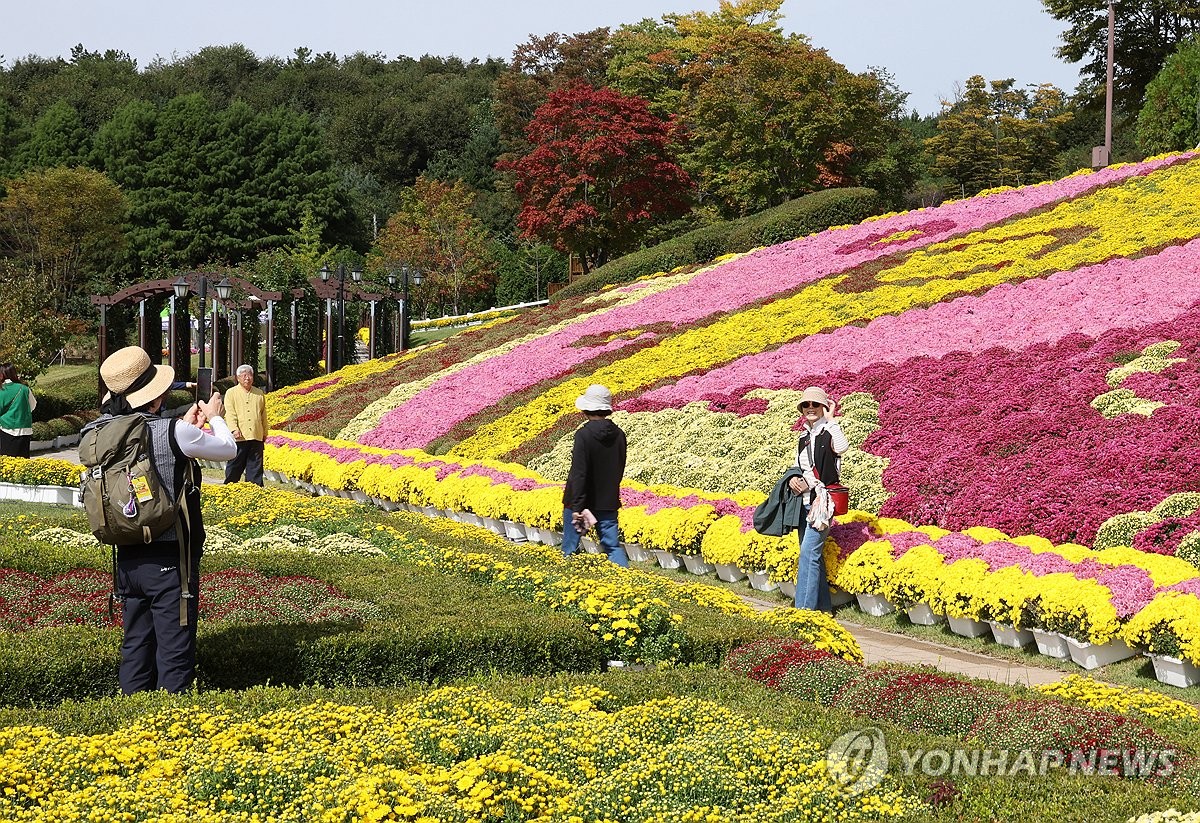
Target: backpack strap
<point x="183" y="522"/>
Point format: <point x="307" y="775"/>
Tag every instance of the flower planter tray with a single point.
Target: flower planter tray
<point x="762" y="582"/>
<point x="968" y="626"/>
<point x="837" y="597"/>
<point x="788" y="588"/>
<point x="492" y="524"/>
<point x="551" y="538"/>
<point x="1093" y="656"/>
<point x="636" y="553"/>
<point x="589" y="545"/>
<point x="921" y="615"/>
<point x="1174" y="672"/>
<point x="730" y="573"/>
<point x="875" y="605"/>
<point x="1010" y="636"/>
<point x="696" y="565"/>
<point x="386" y="505"/>
<point x="1051" y="644"/>
<point x="666" y="559"/>
<point x="359" y="496"/>
<point x="514" y="531"/>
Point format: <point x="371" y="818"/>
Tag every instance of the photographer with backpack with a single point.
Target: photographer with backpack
<point x="141" y="489"/>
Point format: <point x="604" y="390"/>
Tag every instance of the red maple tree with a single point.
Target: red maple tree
<point x="600" y="173"/>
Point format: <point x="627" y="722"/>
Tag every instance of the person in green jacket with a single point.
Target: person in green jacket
<point x="16" y="413"/>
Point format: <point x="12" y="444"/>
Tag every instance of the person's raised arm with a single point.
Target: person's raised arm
<point x="195" y="442"/>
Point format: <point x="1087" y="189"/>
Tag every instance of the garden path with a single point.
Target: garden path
<point x="886" y="647"/>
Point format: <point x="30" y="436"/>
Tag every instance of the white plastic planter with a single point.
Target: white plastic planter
<point x="921" y="615"/>
<point x="1173" y="671"/>
<point x="696" y="565"/>
<point x="788" y="589"/>
<point x="666" y="559"/>
<point x="836" y="596"/>
<point x="761" y="581"/>
<point x="1010" y="636"/>
<point x="492" y="524"/>
<point x="551" y="538"/>
<point x="875" y="605"/>
<point x="636" y="553"/>
<point x="359" y="495"/>
<point x="1051" y="644"/>
<point x="730" y="573"/>
<point x="1093" y="656"/>
<point x="514" y="531"/>
<point x="968" y="626"/>
<point x="589" y="545"/>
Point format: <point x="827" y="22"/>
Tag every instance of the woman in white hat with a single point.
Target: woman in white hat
<point x="159" y="652"/>
<point x="822" y="442"/>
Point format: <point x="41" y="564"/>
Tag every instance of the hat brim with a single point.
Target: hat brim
<point x="587" y="404"/>
<point x="164" y="376"/>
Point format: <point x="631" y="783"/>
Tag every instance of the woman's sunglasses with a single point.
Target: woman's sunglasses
<point x="806" y="405"/>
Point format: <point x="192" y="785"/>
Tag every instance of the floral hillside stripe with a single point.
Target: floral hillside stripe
<point x="1024" y="248"/>
<point x="726" y="288"/>
<point x="453" y="753"/>
<point x="1118" y="294"/>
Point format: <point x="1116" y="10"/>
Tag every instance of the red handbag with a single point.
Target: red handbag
<point x="839" y="495"/>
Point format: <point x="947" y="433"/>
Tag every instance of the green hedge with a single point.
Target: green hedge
<point x="436" y="628"/>
<point x="796" y="218"/>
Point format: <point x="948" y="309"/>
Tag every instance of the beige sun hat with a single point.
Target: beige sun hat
<point x="814" y="394"/>
<point x="596" y="398"/>
<point x="129" y="372"/>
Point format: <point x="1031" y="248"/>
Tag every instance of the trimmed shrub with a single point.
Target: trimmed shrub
<point x="919" y="701"/>
<point x="743" y="659"/>
<point x="796" y="218"/>
<point x="807" y="673"/>
<point x="60" y="427"/>
<point x="42" y="431"/>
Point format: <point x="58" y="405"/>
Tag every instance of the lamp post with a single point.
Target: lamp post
<point x="181" y="287"/>
<point x="356" y="276"/>
<point x="403" y="325"/>
<point x="1102" y="155"/>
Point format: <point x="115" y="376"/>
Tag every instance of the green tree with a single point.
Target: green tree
<point x="58" y="138"/>
<point x="1145" y="34"/>
<point x="1170" y="119"/>
<point x="31" y="331"/>
<point x="769" y="119"/>
<point x="206" y="184"/>
<point x="435" y="232"/>
<point x="63" y="225"/>
<point x="524" y="272"/>
<point x="1000" y="136"/>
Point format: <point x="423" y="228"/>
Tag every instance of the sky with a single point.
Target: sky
<point x="929" y="46"/>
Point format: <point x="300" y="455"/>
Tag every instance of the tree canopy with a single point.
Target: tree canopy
<point x="600" y="173"/>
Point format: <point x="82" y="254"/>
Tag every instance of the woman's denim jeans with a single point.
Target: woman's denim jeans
<point x="610" y="539"/>
<point x="812" y="583"/>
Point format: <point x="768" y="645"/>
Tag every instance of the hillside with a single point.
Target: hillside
<point x="1022" y="360"/>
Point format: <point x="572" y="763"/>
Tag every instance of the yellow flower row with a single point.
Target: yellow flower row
<point x="1123" y="699"/>
<point x="449" y="755"/>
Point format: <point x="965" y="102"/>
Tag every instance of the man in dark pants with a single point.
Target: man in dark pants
<point x="592" y="493"/>
<point x="246" y="410"/>
<point x="158" y="652"/>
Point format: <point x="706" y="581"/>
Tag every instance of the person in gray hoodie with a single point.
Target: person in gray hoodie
<point x="592" y="493"/>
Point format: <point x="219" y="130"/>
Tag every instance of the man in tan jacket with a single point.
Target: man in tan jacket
<point x="246" y="414"/>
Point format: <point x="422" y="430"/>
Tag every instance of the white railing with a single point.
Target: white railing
<point x="473" y="318"/>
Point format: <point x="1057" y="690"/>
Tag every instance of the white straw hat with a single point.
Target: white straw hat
<point x="815" y="395"/>
<point x="596" y="398"/>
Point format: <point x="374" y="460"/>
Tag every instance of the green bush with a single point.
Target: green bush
<point x="42" y="431"/>
<point x="61" y="427"/>
<point x="796" y="218"/>
<point x="920" y="701"/>
<point x="68" y="397"/>
<point x="436" y="628"/>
